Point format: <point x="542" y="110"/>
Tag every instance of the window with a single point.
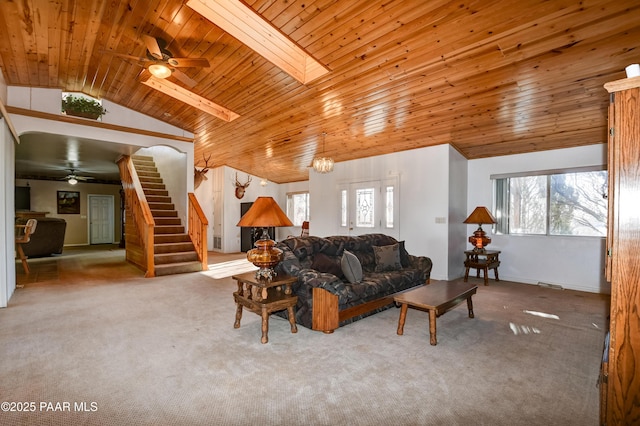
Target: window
<point x="552" y="203"/>
<point x="298" y="207"/>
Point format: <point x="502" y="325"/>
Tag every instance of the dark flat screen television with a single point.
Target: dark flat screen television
<point x="23" y="198"/>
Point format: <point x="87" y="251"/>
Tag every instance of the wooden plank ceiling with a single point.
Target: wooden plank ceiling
<point x="490" y="77"/>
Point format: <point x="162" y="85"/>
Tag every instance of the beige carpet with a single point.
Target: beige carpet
<point x="164" y="351"/>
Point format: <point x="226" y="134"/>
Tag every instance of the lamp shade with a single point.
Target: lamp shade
<point x="480" y="215"/>
<point x="264" y="213"/>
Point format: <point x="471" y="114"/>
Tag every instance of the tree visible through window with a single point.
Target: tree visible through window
<point x="572" y="203"/>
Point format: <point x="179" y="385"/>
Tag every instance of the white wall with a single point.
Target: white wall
<point x="572" y="262"/>
<point x="424" y="196"/>
<point x="7" y="232"/>
<point x="458" y="177"/>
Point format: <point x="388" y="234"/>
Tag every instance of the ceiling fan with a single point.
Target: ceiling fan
<point x="161" y="63"/>
<point x="73" y="178"/>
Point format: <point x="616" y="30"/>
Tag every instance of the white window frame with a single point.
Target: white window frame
<point x="290" y="206"/>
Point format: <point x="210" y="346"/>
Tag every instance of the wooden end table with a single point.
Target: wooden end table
<point x="437" y="298"/>
<point x="264" y="297"/>
<point x="482" y="260"/>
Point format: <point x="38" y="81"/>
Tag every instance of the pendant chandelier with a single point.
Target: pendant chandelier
<point x="323" y="164"/>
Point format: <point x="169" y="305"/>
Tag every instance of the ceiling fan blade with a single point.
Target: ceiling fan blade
<point x="122" y="55"/>
<point x="152" y="46"/>
<point x="185" y="79"/>
<point x="189" y="62"/>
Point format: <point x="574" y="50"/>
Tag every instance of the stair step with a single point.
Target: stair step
<point x="161" y="206"/>
<point x="149" y="179"/>
<point x="167" y="221"/>
<point x="164" y="213"/>
<point x="178" y="268"/>
<point x="164" y="258"/>
<point x="158" y="199"/>
<point x="180" y="247"/>
<point x="170" y="238"/>
<point x="155" y="192"/>
<point x="168" y="230"/>
<point x="150" y="185"/>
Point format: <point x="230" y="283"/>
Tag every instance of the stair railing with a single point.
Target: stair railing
<point x="143" y="223"/>
<point x="198" y="229"/>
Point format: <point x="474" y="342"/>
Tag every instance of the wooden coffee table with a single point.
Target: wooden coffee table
<point x="437" y="298"/>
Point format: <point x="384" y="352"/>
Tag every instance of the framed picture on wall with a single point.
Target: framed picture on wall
<point x="68" y="202"/>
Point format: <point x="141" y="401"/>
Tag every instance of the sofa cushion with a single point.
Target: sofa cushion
<point x="351" y="267"/>
<point x="323" y="263"/>
<point x="387" y="258"/>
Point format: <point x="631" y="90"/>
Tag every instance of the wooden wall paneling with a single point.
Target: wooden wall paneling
<point x="623" y="382"/>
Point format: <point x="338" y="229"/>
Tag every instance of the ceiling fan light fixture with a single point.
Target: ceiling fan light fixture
<point x="323" y="164"/>
<point x="72" y="181"/>
<point x="159" y="70"/>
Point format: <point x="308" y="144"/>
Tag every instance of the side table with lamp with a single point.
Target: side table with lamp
<point x="480" y="258"/>
<point x="264" y="291"/>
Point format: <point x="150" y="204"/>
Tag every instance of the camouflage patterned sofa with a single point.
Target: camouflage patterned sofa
<point x="328" y="297"/>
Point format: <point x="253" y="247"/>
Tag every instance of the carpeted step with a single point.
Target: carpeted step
<point x="149" y="185"/>
<point x="161" y="206"/>
<point x="179" y="247"/>
<point x="158" y="199"/>
<point x="178" y="268"/>
<point x="167" y="221"/>
<point x="155" y="192"/>
<point x="165" y="258"/>
<point x="171" y="229"/>
<point x="170" y="238"/>
<point x="164" y="213"/>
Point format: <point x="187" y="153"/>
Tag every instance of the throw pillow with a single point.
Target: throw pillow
<point x="387" y="258"/>
<point x="324" y="263"/>
<point x="351" y="267"/>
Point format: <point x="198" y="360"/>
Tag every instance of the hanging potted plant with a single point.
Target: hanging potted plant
<point x="80" y="106"/>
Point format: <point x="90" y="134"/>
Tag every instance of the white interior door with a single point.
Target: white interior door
<point x="101" y="225"/>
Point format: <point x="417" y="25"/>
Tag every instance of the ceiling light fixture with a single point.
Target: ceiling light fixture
<point x="159" y="70"/>
<point x="72" y="181"/>
<point x="323" y="164"/>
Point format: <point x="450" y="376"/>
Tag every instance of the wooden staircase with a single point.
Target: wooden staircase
<point x="173" y="251"/>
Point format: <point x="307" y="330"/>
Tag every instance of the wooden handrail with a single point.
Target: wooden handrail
<point x="198" y="229"/>
<point x="136" y="204"/>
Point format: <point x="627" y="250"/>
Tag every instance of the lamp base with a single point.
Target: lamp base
<point x="479" y="240"/>
<point x="265" y="256"/>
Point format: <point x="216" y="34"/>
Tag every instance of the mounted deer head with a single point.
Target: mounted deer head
<point x="200" y="175"/>
<point x="241" y="187"/>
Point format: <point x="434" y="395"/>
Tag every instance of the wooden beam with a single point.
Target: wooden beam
<point x="251" y="29"/>
<point x="189" y="98"/>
